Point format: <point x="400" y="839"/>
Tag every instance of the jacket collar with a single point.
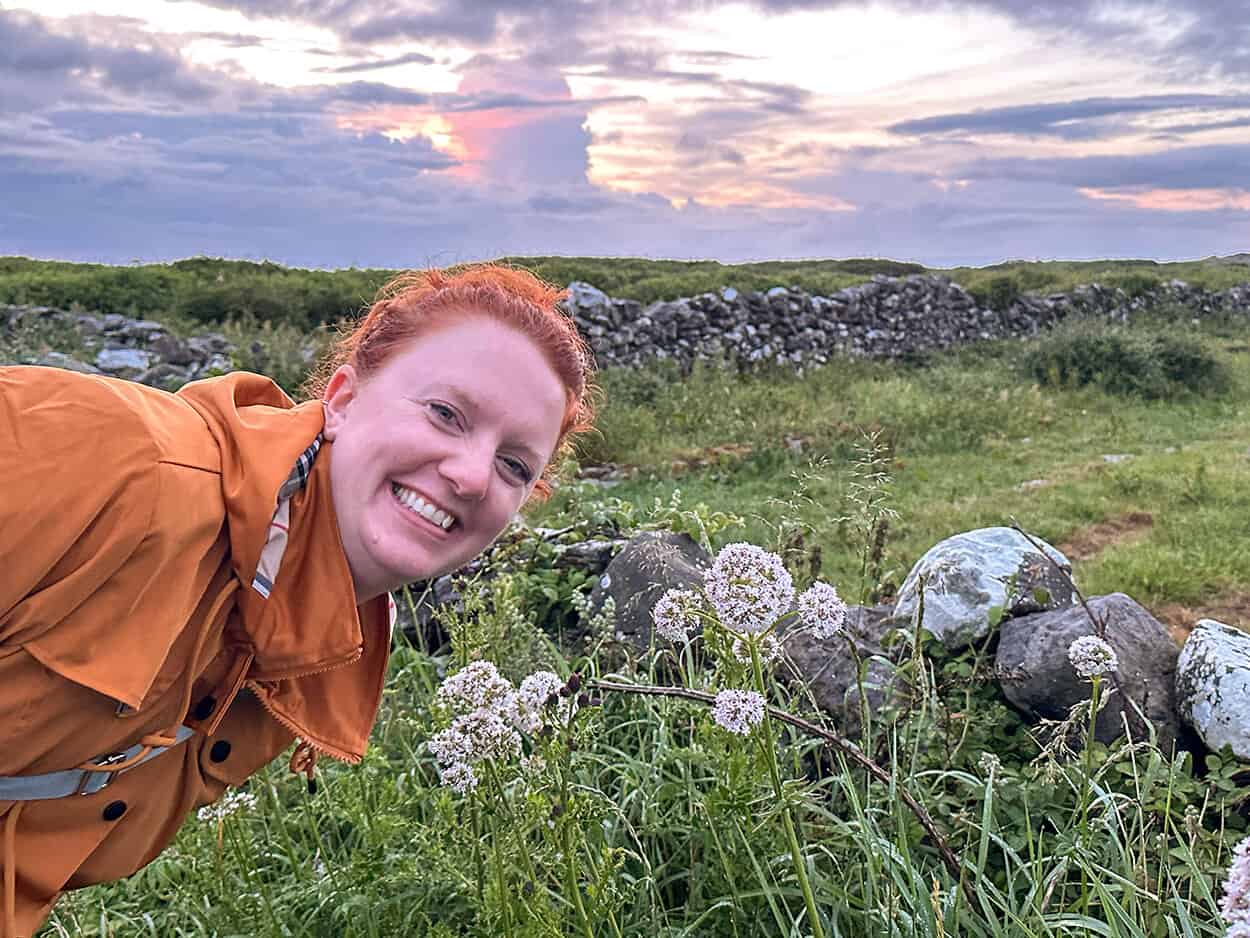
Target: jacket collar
<point x="319" y="659"/>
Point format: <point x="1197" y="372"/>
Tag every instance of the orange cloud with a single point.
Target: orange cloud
<point x="1176" y="200"/>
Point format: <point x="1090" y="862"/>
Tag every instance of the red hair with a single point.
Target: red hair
<point x="414" y="303"/>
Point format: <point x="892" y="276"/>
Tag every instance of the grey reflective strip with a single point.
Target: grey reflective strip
<point x="78" y="781"/>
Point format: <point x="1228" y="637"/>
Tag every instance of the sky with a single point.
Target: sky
<point x="405" y="133"/>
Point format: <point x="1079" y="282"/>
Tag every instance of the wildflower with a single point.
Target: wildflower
<point x="450" y="746"/>
<point x="459" y="777"/>
<point x="533" y="695"/>
<point x="767" y="645"/>
<point x="233" y="802"/>
<point x="1235" y="906"/>
<point x="738" y="711"/>
<point x="749" y="588"/>
<point x="533" y="765"/>
<point x="478" y="684"/>
<point x="488" y="735"/>
<point x="1091" y="656"/>
<point x="822" y="610"/>
<point x="676" y="615"/>
<point x="990" y="764"/>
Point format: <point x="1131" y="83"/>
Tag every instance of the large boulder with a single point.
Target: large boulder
<point x="974" y="580"/>
<point x="648" y="566"/>
<point x="123" y="362"/>
<point x="1213" y="686"/>
<point x="1037" y="677"/>
<point x="826" y="668"/>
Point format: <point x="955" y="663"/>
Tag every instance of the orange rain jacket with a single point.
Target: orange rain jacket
<point x="132" y="524"/>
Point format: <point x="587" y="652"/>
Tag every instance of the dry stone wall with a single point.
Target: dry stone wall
<point x="886" y="317"/>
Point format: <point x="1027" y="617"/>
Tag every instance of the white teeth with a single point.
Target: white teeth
<point x="419" y="505"/>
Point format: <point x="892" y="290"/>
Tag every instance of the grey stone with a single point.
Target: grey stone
<point x="585" y="298"/>
<point x="208" y="344"/>
<point x="171" y="349"/>
<point x="974" y="580"/>
<point x="165" y="375"/>
<point x="1037" y="677"/>
<point x="1213" y="686"/>
<point x="123" y="360"/>
<point x="647" y="567"/>
<point x="61" y="360"/>
<point x="827" y="670"/>
<point x="142" y="330"/>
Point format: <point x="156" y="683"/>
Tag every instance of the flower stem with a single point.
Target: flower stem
<point x="842" y="745"/>
<point x="770" y="756"/>
<point x="571" y="875"/>
<point x="505" y="901"/>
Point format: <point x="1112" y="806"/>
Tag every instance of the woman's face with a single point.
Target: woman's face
<point x="436" y="451"/>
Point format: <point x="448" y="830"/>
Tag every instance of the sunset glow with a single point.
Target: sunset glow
<point x="596" y="127"/>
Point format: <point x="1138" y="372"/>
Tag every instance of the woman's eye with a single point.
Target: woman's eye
<point x="518" y="469"/>
<point x="443" y="412"/>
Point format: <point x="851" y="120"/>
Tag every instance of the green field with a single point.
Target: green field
<point x="207" y="290"/>
<point x="658" y="823"/>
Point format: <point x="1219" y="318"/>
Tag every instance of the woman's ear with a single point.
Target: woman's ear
<point x="339" y="394"/>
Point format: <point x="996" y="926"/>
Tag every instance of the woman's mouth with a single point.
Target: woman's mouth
<point x="422" y="508"/>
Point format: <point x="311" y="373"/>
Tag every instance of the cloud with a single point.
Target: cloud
<point x="233" y="40"/>
<point x="1195" y="167"/>
<point x="39" y="66"/>
<point x="409" y="58"/>
<point x="1066" y="119"/>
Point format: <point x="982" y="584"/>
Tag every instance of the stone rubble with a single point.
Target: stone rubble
<point x="885" y="317"/>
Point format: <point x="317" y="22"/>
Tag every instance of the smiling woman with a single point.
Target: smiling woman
<point x="193" y="581"/>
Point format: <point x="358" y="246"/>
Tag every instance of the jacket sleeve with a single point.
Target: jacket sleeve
<point x="77" y="469"/>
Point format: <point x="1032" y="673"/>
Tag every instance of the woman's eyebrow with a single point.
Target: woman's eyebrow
<point x="467" y="403"/>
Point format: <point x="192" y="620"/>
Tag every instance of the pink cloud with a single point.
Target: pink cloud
<point x="1176" y="200"/>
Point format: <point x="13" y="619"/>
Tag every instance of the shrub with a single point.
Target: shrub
<point x="997" y="293"/>
<point x="1152" y="366"/>
<point x="1134" y="283"/>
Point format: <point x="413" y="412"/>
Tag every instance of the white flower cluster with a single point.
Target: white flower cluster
<point x="532" y="697"/>
<point x="738" y="711"/>
<point x="231" y="803"/>
<point x="676" y="615"/>
<point x="1091" y="656"/>
<point x="487" y="713"/>
<point x="1235" y="906"/>
<point x="990" y="763"/>
<point x="822" y="610"/>
<point x="767" y="645"/>
<point x="749" y="588"/>
<point x="478" y="685"/>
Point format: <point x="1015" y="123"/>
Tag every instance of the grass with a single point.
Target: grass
<point x="967" y="433"/>
<point x="667" y="826"/>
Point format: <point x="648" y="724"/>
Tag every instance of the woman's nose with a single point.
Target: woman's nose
<point x="468" y="469"/>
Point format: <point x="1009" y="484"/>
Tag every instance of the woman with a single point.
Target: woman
<point x="191" y="582"/>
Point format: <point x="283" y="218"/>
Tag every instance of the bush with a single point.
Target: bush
<point x="997" y="293"/>
<point x="1135" y="284"/>
<point x="1151" y="366"/>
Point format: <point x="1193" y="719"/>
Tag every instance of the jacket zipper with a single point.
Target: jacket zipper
<point x="300" y="733"/>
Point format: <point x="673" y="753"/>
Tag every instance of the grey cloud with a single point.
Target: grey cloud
<point x="366" y="92"/>
<point x="1205" y="167"/>
<point x="50" y="66"/>
<point x="233" y="40"/>
<point x="1066" y="119"/>
<point x="552" y="204"/>
<point x="1217" y="39"/>
<point x="409" y="58"/>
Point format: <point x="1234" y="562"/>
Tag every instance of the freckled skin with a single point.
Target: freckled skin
<point x="467" y="416"/>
